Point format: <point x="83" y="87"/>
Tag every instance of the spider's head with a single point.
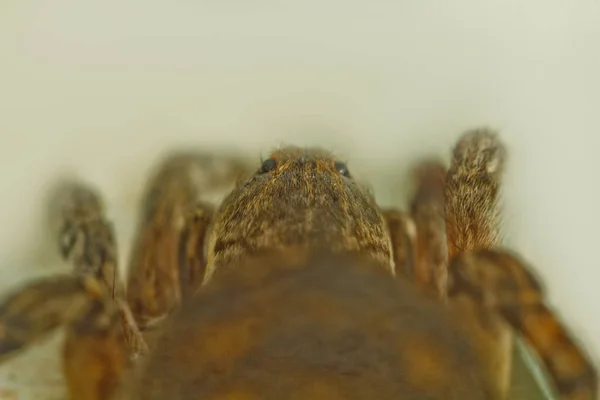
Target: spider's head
<point x="297" y="160"/>
<point x="299" y="197"/>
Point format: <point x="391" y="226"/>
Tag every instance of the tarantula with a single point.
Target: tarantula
<point x="297" y="286"/>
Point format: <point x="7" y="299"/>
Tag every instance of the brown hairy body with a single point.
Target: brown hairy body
<point x="304" y="201"/>
<point x="298" y="286"/>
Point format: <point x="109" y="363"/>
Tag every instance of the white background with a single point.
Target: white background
<point x="101" y="88"/>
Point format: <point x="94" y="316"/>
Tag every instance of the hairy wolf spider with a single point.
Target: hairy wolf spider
<point x="298" y="286"/>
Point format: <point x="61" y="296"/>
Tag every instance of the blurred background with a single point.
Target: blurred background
<point x="102" y="89"/>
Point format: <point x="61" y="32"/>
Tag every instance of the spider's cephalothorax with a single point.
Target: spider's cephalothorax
<point x="299" y="197"/>
<point x="298" y="286"/>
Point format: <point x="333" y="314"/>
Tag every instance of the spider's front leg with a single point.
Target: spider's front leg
<point x="154" y="285"/>
<point x="95" y="353"/>
<point x="502" y="284"/>
<point x="473" y="224"/>
<point x="450" y="213"/>
<point x="85" y="237"/>
<point x="472" y="192"/>
<point x="86" y="240"/>
<point x="472" y="188"/>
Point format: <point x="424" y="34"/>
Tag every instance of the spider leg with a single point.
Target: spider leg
<point x="192" y="254"/>
<point x="472" y="191"/>
<point x="419" y="239"/>
<point x="501" y="283"/>
<point x="402" y="234"/>
<point x="95" y="355"/>
<point x="472" y="221"/>
<point x="84" y="236"/>
<point x="427" y="210"/>
<point x="86" y="240"/>
<point x="154" y="282"/>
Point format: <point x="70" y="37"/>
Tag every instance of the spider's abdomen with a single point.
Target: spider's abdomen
<point x="297" y="327"/>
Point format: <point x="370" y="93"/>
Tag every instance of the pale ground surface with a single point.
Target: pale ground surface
<point x="102" y="88"/>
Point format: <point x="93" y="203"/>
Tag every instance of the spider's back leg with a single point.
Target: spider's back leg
<point x="95" y="355"/>
<point x="501" y="284"/>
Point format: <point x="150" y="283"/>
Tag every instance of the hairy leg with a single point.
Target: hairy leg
<point x="96" y="356"/>
<point x="84" y="236"/>
<point x="181" y="179"/>
<point x="473" y="222"/>
<point x="427" y="210"/>
<point x="192" y="253"/>
<point x="402" y="234"/>
<point x="472" y="192"/>
<point x="419" y="238"/>
<point x="450" y="212"/>
<point x="502" y="284"/>
<point x="86" y="240"/>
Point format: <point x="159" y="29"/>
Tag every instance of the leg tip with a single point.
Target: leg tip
<point x="480" y="150"/>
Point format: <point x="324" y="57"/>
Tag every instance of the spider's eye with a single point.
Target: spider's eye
<point x="342" y="168"/>
<point x="268" y="165"/>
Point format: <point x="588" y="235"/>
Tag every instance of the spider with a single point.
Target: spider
<point x="297" y="286"/>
